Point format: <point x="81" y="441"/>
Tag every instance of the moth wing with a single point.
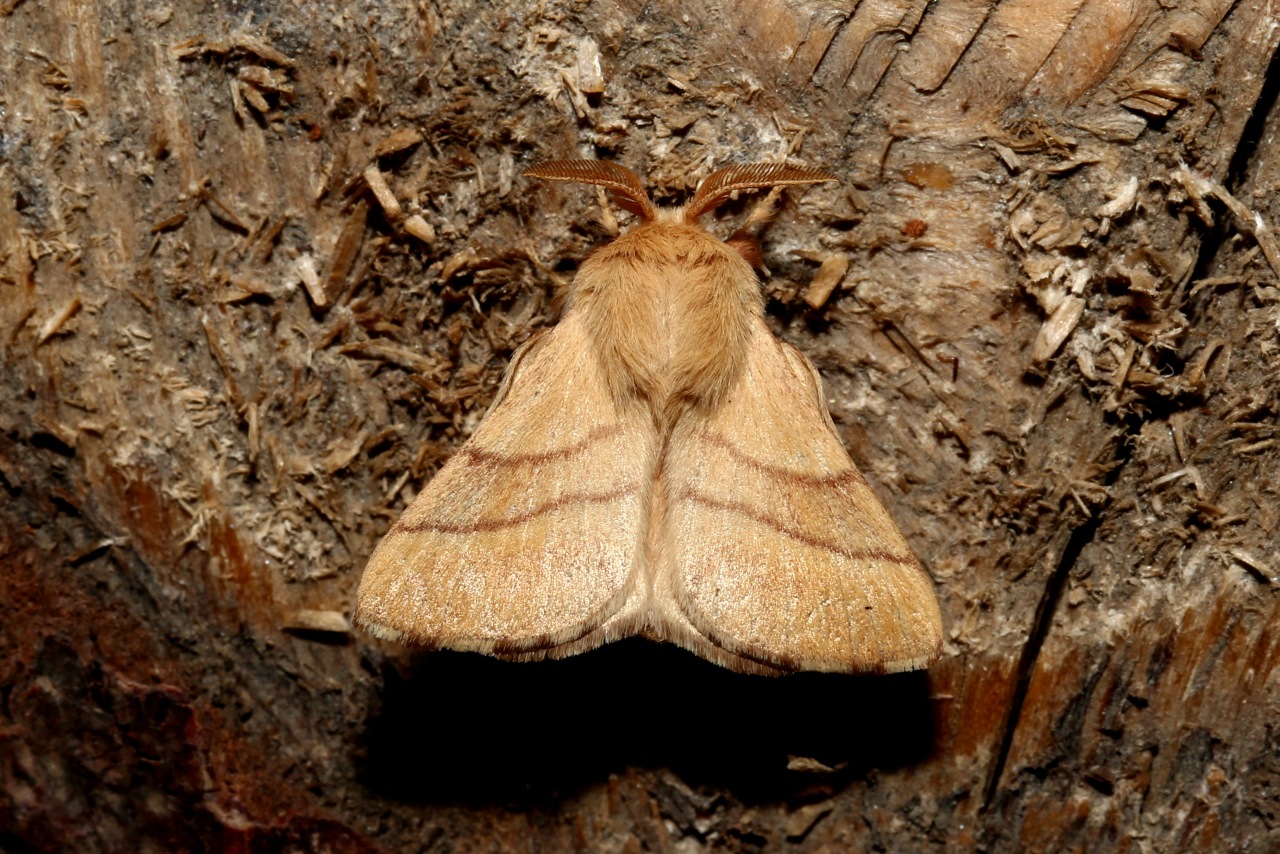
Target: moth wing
<point x="776" y="550"/>
<point x="531" y="535"/>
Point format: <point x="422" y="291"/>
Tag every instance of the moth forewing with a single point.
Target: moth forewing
<point x="779" y="551"/>
<point x="529" y="537"/>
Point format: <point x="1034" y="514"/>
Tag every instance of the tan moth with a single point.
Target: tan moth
<point x="659" y="464"/>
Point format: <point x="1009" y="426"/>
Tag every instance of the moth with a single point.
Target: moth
<point x="658" y="464"/>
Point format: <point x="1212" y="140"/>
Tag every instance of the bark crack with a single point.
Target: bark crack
<point x="1048" y="606"/>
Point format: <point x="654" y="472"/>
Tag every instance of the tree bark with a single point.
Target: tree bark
<point x="260" y="275"/>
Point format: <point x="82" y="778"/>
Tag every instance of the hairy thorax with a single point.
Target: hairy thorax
<point x="670" y="309"/>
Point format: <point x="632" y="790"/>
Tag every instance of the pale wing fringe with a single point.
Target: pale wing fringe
<point x="688" y="639"/>
<point x="531" y="535"/>
<point x="777" y="550"/>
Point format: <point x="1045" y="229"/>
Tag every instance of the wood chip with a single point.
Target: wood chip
<point x="271" y="79"/>
<point x="237" y="103"/>
<point x="829" y="276"/>
<point x="343" y="450"/>
<point x="306" y="620"/>
<point x="51" y="326"/>
<point x="1247" y="220"/>
<point x="344" y="253"/>
<point x="1259" y="568"/>
<point x="1122" y="199"/>
<point x="809" y="765"/>
<point x="1057" y="329"/>
<point x="252" y="44"/>
<point x="393" y="353"/>
<point x="420" y="228"/>
<point x="590" y="74"/>
<point x="398" y="140"/>
<point x="378" y="185"/>
<point x="255" y="99"/>
<point x="305" y="267"/>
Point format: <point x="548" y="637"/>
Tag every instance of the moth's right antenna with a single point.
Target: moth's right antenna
<point x="723" y="183"/>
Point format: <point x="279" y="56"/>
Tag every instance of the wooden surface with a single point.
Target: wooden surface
<point x="230" y="352"/>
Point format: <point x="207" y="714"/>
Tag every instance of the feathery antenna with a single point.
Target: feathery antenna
<point x="628" y="192"/>
<point x="723" y="183"/>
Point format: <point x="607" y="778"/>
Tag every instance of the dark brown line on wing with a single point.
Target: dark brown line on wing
<point x="849" y="475"/>
<point x="519" y="519"/>
<point x="494" y="459"/>
<point x="768" y="521"/>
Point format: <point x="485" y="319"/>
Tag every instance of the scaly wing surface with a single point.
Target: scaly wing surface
<point x="775" y="550"/>
<point x="531" y="536"/>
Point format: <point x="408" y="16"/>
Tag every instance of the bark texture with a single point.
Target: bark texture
<point x="260" y="273"/>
